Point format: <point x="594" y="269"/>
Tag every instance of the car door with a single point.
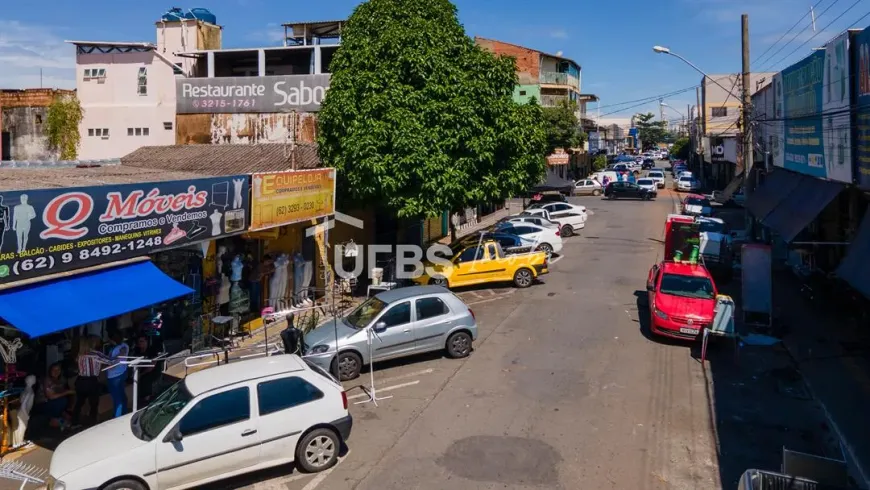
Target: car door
<point x="393" y="333"/>
<point x="651" y="284"/>
<point x="434" y="320"/>
<point x="218" y="436"/>
<point x="468" y="265"/>
<point x="286" y="407"/>
<point x="529" y="235"/>
<point x="633" y="190"/>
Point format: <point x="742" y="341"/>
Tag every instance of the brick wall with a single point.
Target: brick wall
<point x="32" y="97"/>
<point x="528" y="60"/>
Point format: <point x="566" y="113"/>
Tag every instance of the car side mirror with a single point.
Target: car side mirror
<point x="380" y="327"/>
<point x="650" y="287"/>
<point x="174" y="435"/>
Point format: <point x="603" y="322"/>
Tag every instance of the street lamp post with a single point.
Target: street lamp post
<point x="664" y="50"/>
<point x="663" y="104"/>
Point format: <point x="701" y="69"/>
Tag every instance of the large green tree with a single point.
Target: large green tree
<point x="650" y="132"/>
<point x="563" y="128"/>
<point x="681" y="149"/>
<point x="419" y="118"/>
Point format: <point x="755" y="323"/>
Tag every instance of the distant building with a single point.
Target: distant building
<point x="23" y="115"/>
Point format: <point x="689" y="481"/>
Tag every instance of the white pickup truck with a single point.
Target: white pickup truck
<point x="569" y="222"/>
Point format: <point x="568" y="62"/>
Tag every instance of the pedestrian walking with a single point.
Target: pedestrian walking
<point x="90" y="362"/>
<point x="117" y="375"/>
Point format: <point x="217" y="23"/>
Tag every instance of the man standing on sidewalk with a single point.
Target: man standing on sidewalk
<point x="117" y="375"/>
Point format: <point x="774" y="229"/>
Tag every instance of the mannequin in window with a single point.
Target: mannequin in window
<point x="237" y="193"/>
<point x="278" y="282"/>
<point x="298" y="276"/>
<point x="23" y="415"/>
<point x="236" y="267"/>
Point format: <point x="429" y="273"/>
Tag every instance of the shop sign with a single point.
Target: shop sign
<point x="861" y="63"/>
<point x="282" y="198"/>
<point x="559" y="157"/>
<point x="231" y="95"/>
<point x="57" y="230"/>
<point x="816" y="105"/>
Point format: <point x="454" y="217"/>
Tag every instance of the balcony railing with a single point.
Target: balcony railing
<point x="553" y="100"/>
<point x="554" y="78"/>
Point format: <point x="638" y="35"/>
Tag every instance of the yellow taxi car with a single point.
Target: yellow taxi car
<point x="485" y="262"/>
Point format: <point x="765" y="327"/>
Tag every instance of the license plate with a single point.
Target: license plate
<point x="691" y="331"/>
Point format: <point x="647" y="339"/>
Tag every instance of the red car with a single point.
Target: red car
<point x="682" y="299"/>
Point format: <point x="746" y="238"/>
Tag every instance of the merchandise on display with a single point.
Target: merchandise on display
<point x="236" y="269"/>
<point x="278" y="282"/>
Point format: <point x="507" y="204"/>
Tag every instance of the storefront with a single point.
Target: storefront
<point x="125" y="256"/>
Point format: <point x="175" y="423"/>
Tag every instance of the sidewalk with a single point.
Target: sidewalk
<point x="834" y="359"/>
<point x="512" y="206"/>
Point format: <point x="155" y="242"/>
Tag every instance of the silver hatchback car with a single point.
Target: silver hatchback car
<point x="401" y="322"/>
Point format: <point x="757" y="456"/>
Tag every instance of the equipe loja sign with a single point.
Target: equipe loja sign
<point x="279" y="93"/>
<point x="57" y="230"/>
<point x="280" y="198"/>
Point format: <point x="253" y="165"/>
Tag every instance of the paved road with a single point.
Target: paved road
<point x="563" y="389"/>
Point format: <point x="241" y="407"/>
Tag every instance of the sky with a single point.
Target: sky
<point x="612" y="41"/>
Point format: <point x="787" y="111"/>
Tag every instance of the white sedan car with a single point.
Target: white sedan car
<point x="688" y="184"/>
<point x="647" y="183"/>
<point x="658" y="177"/>
<point x="556" y="208"/>
<point x="542" y="239"/>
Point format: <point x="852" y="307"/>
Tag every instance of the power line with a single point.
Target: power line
<point x="799" y="33"/>
<point x="786" y="33"/>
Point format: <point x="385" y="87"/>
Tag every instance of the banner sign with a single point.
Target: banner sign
<point x="281" y="198"/>
<point x="861" y="68"/>
<point x="57" y="230"/>
<point x="279" y="93"/>
<point x="816" y="105"/>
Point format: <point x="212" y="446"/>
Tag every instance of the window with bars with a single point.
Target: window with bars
<point x="143" y="80"/>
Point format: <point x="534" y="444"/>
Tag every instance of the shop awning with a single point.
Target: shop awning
<point x="553" y="182"/>
<point x="776" y="187"/>
<point x="801" y="206"/>
<point x="49" y="307"/>
<point x="855" y="268"/>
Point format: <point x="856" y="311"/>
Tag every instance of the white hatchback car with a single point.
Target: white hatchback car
<point x="542" y="239"/>
<point x="647" y="183"/>
<point x="217" y="423"/>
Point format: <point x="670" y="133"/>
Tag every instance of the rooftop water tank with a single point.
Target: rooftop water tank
<point x="173" y="14"/>
<point x="202" y="14"/>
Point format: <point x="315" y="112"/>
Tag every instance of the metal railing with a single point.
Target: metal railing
<point x="555" y="78"/>
<point x="553" y="100"/>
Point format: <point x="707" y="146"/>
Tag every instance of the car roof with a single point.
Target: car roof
<point x="697" y="196"/>
<point x="711" y="219"/>
<point x="241" y="371"/>
<point x="409" y="292"/>
<point x="684" y="269"/>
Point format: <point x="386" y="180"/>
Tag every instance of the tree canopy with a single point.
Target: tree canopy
<point x="563" y="128"/>
<point x="419" y="118"/>
<point x="681" y="148"/>
<point x="650" y="132"/>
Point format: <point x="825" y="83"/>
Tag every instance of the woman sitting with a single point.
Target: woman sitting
<point x="58" y="397"/>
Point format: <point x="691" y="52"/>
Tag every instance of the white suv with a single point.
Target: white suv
<point x="217" y="423"/>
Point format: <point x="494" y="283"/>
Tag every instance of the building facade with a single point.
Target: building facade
<point x="23" y="115"/>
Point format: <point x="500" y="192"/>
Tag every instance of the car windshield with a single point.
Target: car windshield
<point x="687" y="286"/>
<point x="656" y="174"/>
<point x="685" y="179"/>
<point x="711" y="227"/>
<point x="160" y="412"/>
<point x="695" y="201"/>
<point x="365" y="313"/>
<point x="645" y="182"/>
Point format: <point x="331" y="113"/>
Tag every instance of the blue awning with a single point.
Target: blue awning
<point x="855" y="268"/>
<point x="49" y="307"/>
<point x="776" y="187"/>
<point x="801" y="207"/>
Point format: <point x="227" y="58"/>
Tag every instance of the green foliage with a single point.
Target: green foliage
<point x="62" y="126"/>
<point x="599" y="162"/>
<point x="650" y="132"/>
<point x="563" y="128"/>
<point x="422" y="120"/>
<point x="681" y="149"/>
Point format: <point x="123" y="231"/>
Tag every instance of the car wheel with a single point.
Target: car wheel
<point x="567" y="230"/>
<point x="439" y="281"/>
<point x="546" y="248"/>
<point x="125" y="485"/>
<point x="459" y="345"/>
<point x="318" y="451"/>
<point x="349" y="366"/>
<point x="523" y="278"/>
<point x="596" y="192"/>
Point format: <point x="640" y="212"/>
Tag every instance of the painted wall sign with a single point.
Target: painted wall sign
<point x="281" y="198"/>
<point x="57" y="230"/>
<point x="279" y="93"/>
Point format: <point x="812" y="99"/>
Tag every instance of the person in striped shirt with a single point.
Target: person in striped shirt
<point x="90" y="363"/>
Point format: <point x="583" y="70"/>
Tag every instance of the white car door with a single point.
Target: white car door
<point x="218" y="438"/>
<point x="287" y="406"/>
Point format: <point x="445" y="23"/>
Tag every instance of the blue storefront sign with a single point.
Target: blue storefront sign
<point x="57" y="230"/>
<point x="861" y="66"/>
<point x="816" y="103"/>
<point x="633" y="133"/>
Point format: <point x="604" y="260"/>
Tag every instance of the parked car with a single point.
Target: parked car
<point x="716" y="245"/>
<point x="556" y="209"/>
<point x="486" y="262"/>
<point x="658" y="177"/>
<point x="621" y="167"/>
<point x="510" y="244"/>
<point x="676" y="169"/>
<point x="688" y="184"/>
<point x="546" y="239"/>
<point x="696" y="205"/>
<point x="588" y="187"/>
<point x="219" y="422"/>
<point x="648" y="164"/>
<point x="569" y="221"/>
<point x="647" y="183"/>
<point x="547" y="198"/>
<point x="528" y="217"/>
<point x="630" y="190"/>
<point x="682" y="299"/>
<point x="405" y="321"/>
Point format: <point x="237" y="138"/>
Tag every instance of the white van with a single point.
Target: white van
<point x="599" y="176"/>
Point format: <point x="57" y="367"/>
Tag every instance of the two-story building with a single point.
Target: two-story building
<point x="23" y="116"/>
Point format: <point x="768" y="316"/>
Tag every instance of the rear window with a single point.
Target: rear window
<point x="656" y="174"/>
<point x="645" y="182"/>
<point x="685" y="179"/>
<point x="694" y="201"/>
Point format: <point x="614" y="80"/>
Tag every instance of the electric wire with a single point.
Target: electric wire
<point x="786" y="33"/>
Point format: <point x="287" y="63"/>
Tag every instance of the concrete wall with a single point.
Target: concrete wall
<point x="23" y="114"/>
<point x="244" y="128"/>
<point x="714" y="95"/>
<point x="523" y="93"/>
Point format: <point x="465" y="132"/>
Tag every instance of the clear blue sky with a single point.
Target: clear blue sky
<point x="611" y="40"/>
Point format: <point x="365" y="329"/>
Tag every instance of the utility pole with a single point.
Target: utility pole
<point x="747" y="103"/>
<point x="699" y="129"/>
<point x="688" y="119"/>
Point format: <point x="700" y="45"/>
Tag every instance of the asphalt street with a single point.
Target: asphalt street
<point x="563" y="390"/>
